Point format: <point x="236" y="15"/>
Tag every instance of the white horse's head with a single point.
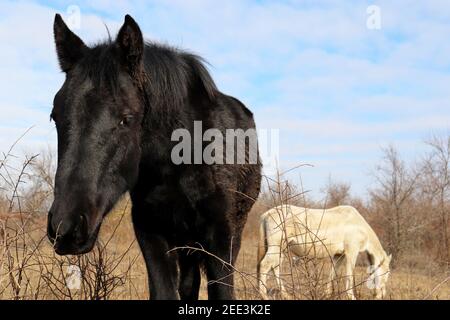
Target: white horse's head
<point x="379" y="275"/>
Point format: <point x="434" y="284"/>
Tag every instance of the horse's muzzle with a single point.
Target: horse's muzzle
<point x="69" y="235"/>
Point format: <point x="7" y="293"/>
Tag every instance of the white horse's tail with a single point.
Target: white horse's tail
<point x="262" y="247"/>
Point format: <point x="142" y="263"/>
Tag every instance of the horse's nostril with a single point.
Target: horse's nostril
<point x="80" y="230"/>
<point x="83" y="222"/>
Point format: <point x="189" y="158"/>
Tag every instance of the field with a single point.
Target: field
<point x="115" y="270"/>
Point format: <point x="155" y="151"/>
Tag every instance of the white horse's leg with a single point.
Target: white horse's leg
<point x="331" y="277"/>
<point x="267" y="264"/>
<point x="379" y="292"/>
<point x="276" y="271"/>
<point x="264" y="270"/>
<point x="335" y="268"/>
<point x="350" y="262"/>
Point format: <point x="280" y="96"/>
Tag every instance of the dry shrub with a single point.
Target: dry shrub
<point x="29" y="268"/>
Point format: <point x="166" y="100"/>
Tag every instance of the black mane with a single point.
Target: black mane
<point x="169" y="75"/>
<point x="173" y="72"/>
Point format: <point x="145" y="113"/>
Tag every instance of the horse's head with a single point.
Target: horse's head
<point x="98" y="114"/>
<point x="383" y="274"/>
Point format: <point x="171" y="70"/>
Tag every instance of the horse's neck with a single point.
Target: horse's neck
<point x="376" y="251"/>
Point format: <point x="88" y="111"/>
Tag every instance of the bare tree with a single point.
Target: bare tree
<point x="393" y="198"/>
<point x="337" y="193"/>
<point x="436" y="184"/>
<point x="39" y="193"/>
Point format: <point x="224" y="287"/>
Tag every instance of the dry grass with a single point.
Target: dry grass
<point x="31" y="270"/>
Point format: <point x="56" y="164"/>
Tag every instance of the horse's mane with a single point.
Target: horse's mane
<point x="171" y="74"/>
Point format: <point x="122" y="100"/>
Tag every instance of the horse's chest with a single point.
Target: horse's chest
<point x="181" y="204"/>
<point x="172" y="214"/>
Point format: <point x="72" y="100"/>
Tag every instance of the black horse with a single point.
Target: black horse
<point x="115" y="115"/>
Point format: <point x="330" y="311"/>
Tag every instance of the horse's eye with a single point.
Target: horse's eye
<point x="126" y="121"/>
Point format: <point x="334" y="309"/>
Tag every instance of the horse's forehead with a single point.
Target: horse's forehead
<point x="79" y="87"/>
<point x="87" y="96"/>
<point x="78" y="105"/>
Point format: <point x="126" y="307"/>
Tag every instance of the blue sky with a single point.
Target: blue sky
<point x="336" y="90"/>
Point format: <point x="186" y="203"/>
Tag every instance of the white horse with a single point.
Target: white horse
<point x="340" y="233"/>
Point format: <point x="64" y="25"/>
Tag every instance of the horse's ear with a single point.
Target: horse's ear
<point x="390" y="257"/>
<point x="131" y="46"/>
<point x="69" y="47"/>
